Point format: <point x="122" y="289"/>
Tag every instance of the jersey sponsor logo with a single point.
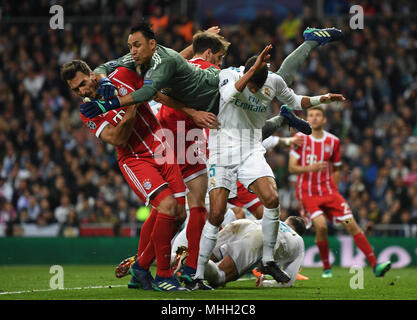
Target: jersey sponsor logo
<point x="122" y="91"/>
<point x="92" y="125"/>
<point x="225" y="81"/>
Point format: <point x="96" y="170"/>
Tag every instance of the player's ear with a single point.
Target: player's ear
<point x="207" y="54"/>
<point x="152" y="43"/>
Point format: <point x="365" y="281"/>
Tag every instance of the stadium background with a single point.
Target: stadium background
<point x="60" y="186"/>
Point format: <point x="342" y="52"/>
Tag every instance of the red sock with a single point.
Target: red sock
<point x="146" y="231"/>
<point x="323" y="246"/>
<point x="163" y="232"/>
<point x="363" y="244"/>
<point x="146" y="251"/>
<point x="195" y="226"/>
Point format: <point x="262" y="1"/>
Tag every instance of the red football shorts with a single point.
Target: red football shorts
<point x="333" y="206"/>
<point x="145" y="176"/>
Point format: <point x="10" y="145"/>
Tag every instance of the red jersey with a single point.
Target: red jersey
<point x="145" y="138"/>
<point x="326" y="149"/>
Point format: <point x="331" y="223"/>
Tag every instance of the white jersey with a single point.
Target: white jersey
<point x="243" y="114"/>
<point x="242" y="240"/>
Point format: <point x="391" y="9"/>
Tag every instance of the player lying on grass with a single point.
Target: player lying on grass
<point x="317" y="162"/>
<point x="134" y="133"/>
<point x="239" y="249"/>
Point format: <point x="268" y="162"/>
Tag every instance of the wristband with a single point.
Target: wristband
<point x="314" y="101"/>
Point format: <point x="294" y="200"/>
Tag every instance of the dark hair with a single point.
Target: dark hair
<point x="298" y="224"/>
<point x="259" y="77"/>
<point x="145" y="28"/>
<point x="206" y="40"/>
<point x="69" y="69"/>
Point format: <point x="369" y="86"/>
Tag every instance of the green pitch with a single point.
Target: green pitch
<point x="86" y="282"/>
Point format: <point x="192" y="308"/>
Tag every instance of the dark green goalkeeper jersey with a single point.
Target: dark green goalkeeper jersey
<point x="171" y="74"/>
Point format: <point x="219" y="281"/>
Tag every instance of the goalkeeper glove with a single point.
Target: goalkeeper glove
<point x="106" y="88"/>
<point x="93" y="108"/>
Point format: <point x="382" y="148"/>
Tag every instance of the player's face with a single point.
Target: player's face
<point x="252" y="87"/>
<point x="316" y="119"/>
<point x="216" y="58"/>
<point x="141" y="49"/>
<point x="84" y="85"/>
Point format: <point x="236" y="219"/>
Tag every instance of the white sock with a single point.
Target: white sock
<point x="228" y="217"/>
<point x="270" y="226"/>
<point x="207" y="243"/>
<point x="214" y="275"/>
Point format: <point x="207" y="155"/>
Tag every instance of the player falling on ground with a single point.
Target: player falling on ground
<point x="133" y="131"/>
<point x="239" y="249"/>
<point x="317" y="163"/>
<point x="236" y="151"/>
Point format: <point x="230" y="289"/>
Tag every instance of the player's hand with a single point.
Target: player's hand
<point x="95" y="107"/>
<point x="214" y="29"/>
<point x="260" y="280"/>
<point x="318" y="166"/>
<point x="297" y="140"/>
<point x="330" y="97"/>
<point x="205" y="120"/>
<point x="106" y="89"/>
<point x="263" y="58"/>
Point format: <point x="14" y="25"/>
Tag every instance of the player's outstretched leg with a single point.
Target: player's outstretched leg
<point x="141" y="278"/>
<point x="313" y="38"/>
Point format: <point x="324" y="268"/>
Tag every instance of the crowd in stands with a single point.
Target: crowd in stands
<point x="53" y="170"/>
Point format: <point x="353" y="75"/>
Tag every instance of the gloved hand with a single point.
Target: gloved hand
<point x="106" y="88"/>
<point x="93" y="108"/>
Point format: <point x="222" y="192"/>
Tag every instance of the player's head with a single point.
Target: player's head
<point x="297" y="224"/>
<point x="211" y="46"/>
<point x="259" y="77"/>
<point x="316" y="116"/>
<point x="142" y="43"/>
<point x="80" y="78"/>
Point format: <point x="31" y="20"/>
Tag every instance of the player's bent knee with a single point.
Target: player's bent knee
<point x="168" y="206"/>
<point x="216" y="216"/>
<point x="271" y="202"/>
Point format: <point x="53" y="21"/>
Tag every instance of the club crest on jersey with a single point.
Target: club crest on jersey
<point x="326" y="148"/>
<point x="147" y="184"/>
<point x="308" y="148"/>
<point x="92" y="125"/>
<point x="267" y="92"/>
<point x="122" y="91"/>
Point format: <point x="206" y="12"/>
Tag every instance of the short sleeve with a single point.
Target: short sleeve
<point x="336" y="157"/>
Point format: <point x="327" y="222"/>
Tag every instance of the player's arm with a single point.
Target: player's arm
<point x="336" y="175"/>
<point x="291" y="269"/>
<point x="294" y="167"/>
<point x="155" y="79"/>
<point x="260" y="63"/>
<point x="275" y="141"/>
<point x="119" y="135"/>
<point x="298" y="102"/>
<point x="106" y="68"/>
<point x="202" y="119"/>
